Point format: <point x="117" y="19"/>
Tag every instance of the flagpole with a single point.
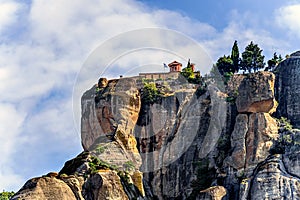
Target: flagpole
<point x="164" y="79"/>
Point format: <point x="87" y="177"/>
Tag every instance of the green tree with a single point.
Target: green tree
<point x="225" y="65"/>
<point x="6" y="195"/>
<point x="252" y="58"/>
<point x="272" y="63"/>
<point x="149" y="93"/>
<point x="188" y="72"/>
<point x="235" y="56"/>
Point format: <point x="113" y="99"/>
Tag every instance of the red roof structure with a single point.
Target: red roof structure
<point x="175" y="66"/>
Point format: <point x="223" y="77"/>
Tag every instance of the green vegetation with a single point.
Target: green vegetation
<point x="252" y="58"/>
<point x="281" y="144"/>
<point x="147" y="80"/>
<point x="232" y="97"/>
<point x="229" y="64"/>
<point x="124" y="176"/>
<point x="227" y="77"/>
<point x="149" y="93"/>
<point x="6" y="195"/>
<point x="100" y="149"/>
<point x="235" y="57"/>
<point x="98" y="89"/>
<point x="285" y="123"/>
<point x="188" y="72"/>
<point x="97" y="164"/>
<point x="225" y="65"/>
<point x="226" y="68"/>
<point x="129" y="166"/>
<point x="285" y="138"/>
<point x="273" y="62"/>
<point x="190" y="75"/>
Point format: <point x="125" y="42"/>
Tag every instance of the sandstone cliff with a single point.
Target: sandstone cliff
<point x="177" y="140"/>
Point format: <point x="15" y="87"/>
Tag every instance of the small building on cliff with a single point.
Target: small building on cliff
<point x="174" y="71"/>
<point x="175" y="66"/>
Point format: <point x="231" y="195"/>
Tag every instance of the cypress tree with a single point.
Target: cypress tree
<point x="235" y="56"/>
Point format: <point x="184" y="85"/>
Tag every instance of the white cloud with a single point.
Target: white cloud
<point x="8" y="12"/>
<point x="248" y="28"/>
<point x="11" y="121"/>
<point x="9" y="180"/>
<point x="288" y="19"/>
<point x="38" y="67"/>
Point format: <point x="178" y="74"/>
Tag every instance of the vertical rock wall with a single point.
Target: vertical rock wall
<point x="184" y="146"/>
<point x="287" y="89"/>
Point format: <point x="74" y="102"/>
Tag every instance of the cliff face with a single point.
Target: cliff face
<point x="179" y="130"/>
<point x="176" y="140"/>
<point x="287" y="89"/>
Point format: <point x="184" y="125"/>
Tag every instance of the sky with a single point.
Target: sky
<point x="45" y="46"/>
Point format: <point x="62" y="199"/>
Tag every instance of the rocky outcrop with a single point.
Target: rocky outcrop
<point x="289" y="143"/>
<point x="256" y="93"/>
<point x="287" y="89"/>
<point x="45" y="188"/>
<point x="182" y="141"/>
<point x="177" y="132"/>
<point x="251" y="140"/>
<point x="271" y="181"/>
<point x="109" y="114"/>
<point x="85" y="178"/>
<point x="254" y="131"/>
<point x="216" y="192"/>
<point x="106" y="184"/>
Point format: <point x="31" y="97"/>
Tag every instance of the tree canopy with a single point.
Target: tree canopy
<point x="6" y="195"/>
<point x="235" y="56"/>
<point x="252" y="58"/>
<point x="225" y="65"/>
<point x="229" y="64"/>
<point x="272" y="63"/>
<point x="188" y="72"/>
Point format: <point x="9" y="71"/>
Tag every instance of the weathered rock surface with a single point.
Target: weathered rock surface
<point x="216" y="192"/>
<point x="251" y="142"/>
<point x="82" y="179"/>
<point x="105" y="184"/>
<point x="262" y="130"/>
<point x="179" y="144"/>
<point x="287" y="89"/>
<point x="178" y="132"/>
<point x="256" y="93"/>
<point x="291" y="156"/>
<point x="45" y="188"/>
<point x="109" y="114"/>
<point x="271" y="181"/>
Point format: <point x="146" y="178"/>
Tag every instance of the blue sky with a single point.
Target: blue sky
<point x="216" y="13"/>
<point x="45" y="43"/>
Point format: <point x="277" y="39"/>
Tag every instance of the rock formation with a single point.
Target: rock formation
<point x="177" y="140"/>
<point x="287" y="89"/>
<point x="45" y="188"/>
<point x="254" y="131"/>
<point x="216" y="192"/>
<point x="256" y="93"/>
<point x="271" y="181"/>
